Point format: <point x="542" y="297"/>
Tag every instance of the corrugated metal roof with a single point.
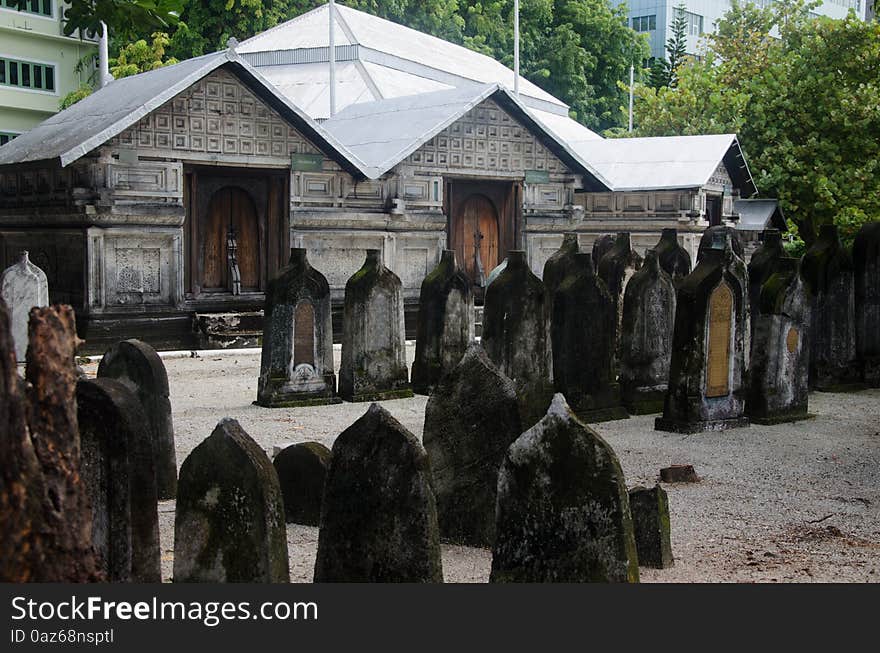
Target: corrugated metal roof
<point x="757" y="215"/>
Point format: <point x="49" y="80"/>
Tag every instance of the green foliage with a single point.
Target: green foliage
<point x="676" y="46"/>
<point x="123" y="18"/>
<point x="73" y="97"/>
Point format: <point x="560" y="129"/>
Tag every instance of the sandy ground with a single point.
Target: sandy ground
<point x="797" y="502"/>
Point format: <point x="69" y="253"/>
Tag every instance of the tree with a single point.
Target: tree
<point x="676" y="46"/>
<point x="123" y="18"/>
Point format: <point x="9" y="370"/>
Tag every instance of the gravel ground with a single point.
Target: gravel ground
<point x="794" y="502"/>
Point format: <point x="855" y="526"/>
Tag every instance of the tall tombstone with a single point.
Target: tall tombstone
<point x="563" y="511"/>
<point x="779" y="375"/>
<point x="470" y="420"/>
<point x="516" y="334"/>
<point x="373" y="339"/>
<point x="302" y="471"/>
<point x="560" y="264"/>
<point x="379" y="517"/>
<point x="646" y="337"/>
<point x="674" y="259"/>
<point x="616" y="268"/>
<point x="229" y="523"/>
<point x="706" y="372"/>
<point x="296" y="368"/>
<point x="601" y="246"/>
<point x="445" y="324"/>
<point x="711" y="235"/>
<point x="584" y="322"/>
<point x="118" y="471"/>
<point x="828" y="271"/>
<point x="23" y="286"/>
<point x="138" y="366"/>
<point x="866" y="259"/>
<point x="763" y="264"/>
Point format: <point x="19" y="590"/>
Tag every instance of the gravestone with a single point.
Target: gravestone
<point x="601" y="246"/>
<point x="117" y="466"/>
<point x="445" y="324"/>
<point x="560" y="264"/>
<point x="138" y="366"/>
<point x="779" y="376"/>
<point x="650" y="515"/>
<point x="516" y="335"/>
<point x="229" y="522"/>
<point x="646" y="337"/>
<point x="828" y="271"/>
<point x="302" y="470"/>
<point x="23" y="286"/>
<point x="711" y="235"/>
<point x="866" y="260"/>
<point x="706" y="386"/>
<point x="470" y="420"/>
<point x="764" y="262"/>
<point x="583" y="345"/>
<point x="296" y="368"/>
<point x="616" y="268"/>
<point x="563" y="511"/>
<point x="674" y="259"/>
<point x="379" y="518"/>
<point x="373" y="347"/>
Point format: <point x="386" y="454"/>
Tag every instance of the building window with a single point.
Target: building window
<point x="694" y="24"/>
<point x="27" y="75"/>
<point x="38" y="7"/>
<point x="645" y="23"/>
<point x="5" y="137"/>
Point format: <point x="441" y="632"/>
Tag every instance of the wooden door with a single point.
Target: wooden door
<point x="476" y="227"/>
<point x="231" y="211"/>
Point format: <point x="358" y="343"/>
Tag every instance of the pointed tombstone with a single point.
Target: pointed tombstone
<point x="866" y="260"/>
<point x="616" y="268"/>
<point x="117" y="469"/>
<point x="138" y="366"/>
<point x="297" y="361"/>
<point x="646" y="337"/>
<point x="445" y="325"/>
<point x="229" y="522"/>
<point x="378" y="519"/>
<point x="516" y="334"/>
<point x="302" y="470"/>
<point x="828" y="271"/>
<point x="583" y="345"/>
<point x="601" y="246"/>
<point x="373" y="347"/>
<point x="650" y="514"/>
<point x="470" y="420"/>
<point x="779" y="375"/>
<point x="763" y="264"/>
<point x="560" y="264"/>
<point x="563" y="510"/>
<point x="674" y="259"/>
<point x="23" y="286"/>
<point x="706" y="391"/>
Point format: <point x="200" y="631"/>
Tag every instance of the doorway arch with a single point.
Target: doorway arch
<point x="477" y="230"/>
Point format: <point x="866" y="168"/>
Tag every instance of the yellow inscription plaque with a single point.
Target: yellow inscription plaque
<point x="792" y="340"/>
<point x="720" y="322"/>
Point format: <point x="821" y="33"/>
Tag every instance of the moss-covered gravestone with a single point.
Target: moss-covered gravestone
<point x="560" y="264"/>
<point x="516" y="335"/>
<point x="706" y="386"/>
<point x="117" y="469"/>
<point x="828" y="271"/>
<point x="866" y="259"/>
<point x="373" y="346"/>
<point x="601" y="246"/>
<point x="779" y="376"/>
<point x="674" y="259"/>
<point x="711" y="235"/>
<point x="650" y="514"/>
<point x="302" y="470"/>
<point x="563" y="510"/>
<point x="470" y="420"/>
<point x="583" y="345"/>
<point x="138" y="366"/>
<point x="378" y="519"/>
<point x="445" y="324"/>
<point x="646" y="337"/>
<point x="229" y="524"/>
<point x="296" y="368"/>
<point x="616" y="268"/>
<point x="763" y="264"/>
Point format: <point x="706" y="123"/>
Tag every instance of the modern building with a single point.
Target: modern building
<point x="37" y="64"/>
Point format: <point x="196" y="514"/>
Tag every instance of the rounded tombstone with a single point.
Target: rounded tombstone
<point x="712" y="235"/>
<point x="600" y="247"/>
<point x="302" y="470"/>
<point x="763" y="264"/>
<point x="560" y="263"/>
<point x="674" y="259"/>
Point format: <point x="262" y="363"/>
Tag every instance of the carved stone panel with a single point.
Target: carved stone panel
<point x="718" y="351"/>
<point x="304" y="334"/>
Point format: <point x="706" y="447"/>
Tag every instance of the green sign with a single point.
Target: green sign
<point x="306" y="162"/>
<point x="537" y="177"/>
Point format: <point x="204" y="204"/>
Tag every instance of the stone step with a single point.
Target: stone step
<point x="229" y="330"/>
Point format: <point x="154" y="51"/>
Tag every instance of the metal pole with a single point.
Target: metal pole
<point x="631" y="81"/>
<point x="104" y="76"/>
<point x="332" y="13"/>
<point x="516" y="48"/>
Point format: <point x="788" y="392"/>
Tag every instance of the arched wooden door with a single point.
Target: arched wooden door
<point x="231" y="211"/>
<point x="477" y="228"/>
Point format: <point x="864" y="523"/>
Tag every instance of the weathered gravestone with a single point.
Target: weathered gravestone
<point x="296" y="368"/>
<point x="378" y="519"/>
<point x="516" y="335"/>
<point x="302" y="470"/>
<point x="583" y="345"/>
<point x="229" y="525"/>
<point x="470" y="420"/>
<point x="118" y="471"/>
<point x="828" y="271"/>
<point x="138" y="366"/>
<point x="708" y="346"/>
<point x="445" y="324"/>
<point x="650" y="515"/>
<point x="601" y="246"/>
<point x="616" y="268"/>
<point x="674" y="259"/>
<point x="866" y="259"/>
<point x="560" y="264"/>
<point x="23" y="286"/>
<point x="711" y="235"/>
<point x="563" y="510"/>
<point x="779" y="375"/>
<point x="373" y="346"/>
<point x="646" y="337"/>
<point x="763" y="264"/>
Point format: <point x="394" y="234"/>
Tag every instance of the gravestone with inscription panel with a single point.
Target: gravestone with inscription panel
<point x="23" y="286"/>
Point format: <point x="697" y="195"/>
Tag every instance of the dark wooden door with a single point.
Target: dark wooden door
<point x="713" y="210"/>
<point x="477" y="229"/>
<point x="231" y="212"/>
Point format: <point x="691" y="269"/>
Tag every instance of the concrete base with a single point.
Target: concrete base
<point x="298" y="403"/>
<point x="400" y="393"/>
<point x="602" y="415"/>
<point x="671" y="426"/>
<point x="644" y="403"/>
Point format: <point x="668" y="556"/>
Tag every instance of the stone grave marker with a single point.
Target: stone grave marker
<point x="764" y="262"/>
<point x="601" y="246"/>
<point x="650" y="514"/>
<point x="302" y="470"/>
<point x="674" y="259"/>
<point x="23" y="286"/>
<point x="866" y="259"/>
<point x="560" y="264"/>
<point x="616" y="268"/>
<point x="711" y="236"/>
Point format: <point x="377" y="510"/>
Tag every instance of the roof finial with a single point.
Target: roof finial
<point x="232" y="43"/>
